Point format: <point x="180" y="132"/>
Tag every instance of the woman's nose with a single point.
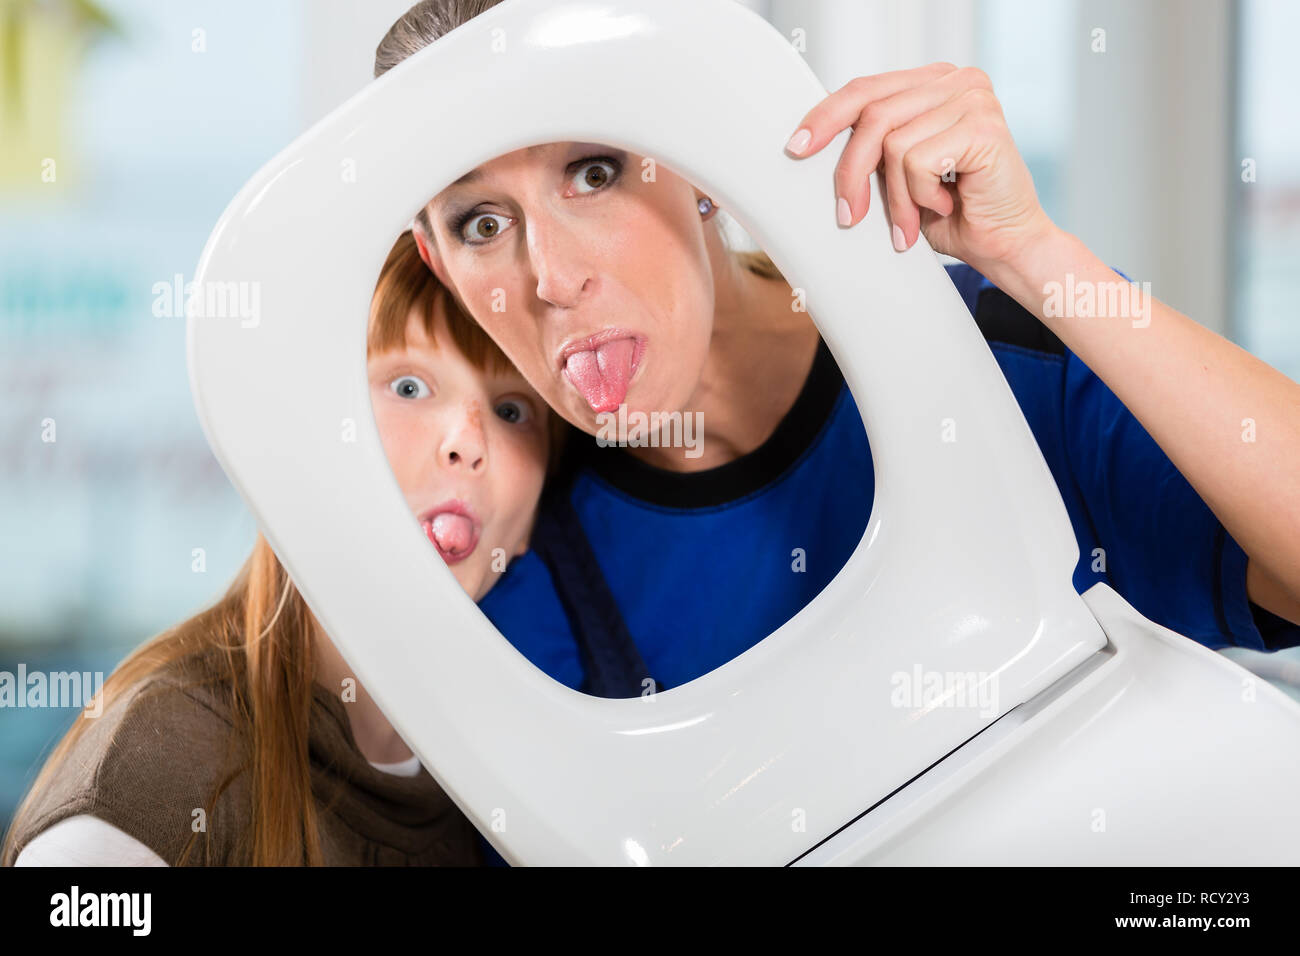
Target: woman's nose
<point x="464" y="445"/>
<point x="557" y="261"/>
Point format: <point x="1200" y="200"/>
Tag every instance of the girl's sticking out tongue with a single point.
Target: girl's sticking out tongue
<point x="452" y="534"/>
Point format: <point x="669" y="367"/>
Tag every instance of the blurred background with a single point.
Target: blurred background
<point x="1162" y="132"/>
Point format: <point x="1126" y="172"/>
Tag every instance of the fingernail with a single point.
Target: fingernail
<point x="900" y="241"/>
<point x="799" y="141"/>
<point x="845" y="213"/>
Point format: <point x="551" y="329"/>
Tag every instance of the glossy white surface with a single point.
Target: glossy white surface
<point x="965" y="566"/>
<point x="1164" y="752"/>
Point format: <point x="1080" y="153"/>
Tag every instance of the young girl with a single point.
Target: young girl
<point x="232" y="738"/>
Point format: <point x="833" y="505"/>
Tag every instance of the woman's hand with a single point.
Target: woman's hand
<point x="950" y="167"/>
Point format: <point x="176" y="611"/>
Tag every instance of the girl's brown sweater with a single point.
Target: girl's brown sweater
<point x="153" y="761"/>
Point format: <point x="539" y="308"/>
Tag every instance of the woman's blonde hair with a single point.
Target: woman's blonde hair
<point x="428" y="20"/>
<point x="262" y="632"/>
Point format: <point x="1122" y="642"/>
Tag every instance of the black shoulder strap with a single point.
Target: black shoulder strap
<point x="609" y="655"/>
<point x="1003" y="319"/>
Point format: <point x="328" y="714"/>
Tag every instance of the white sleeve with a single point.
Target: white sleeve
<point x="85" y="840"/>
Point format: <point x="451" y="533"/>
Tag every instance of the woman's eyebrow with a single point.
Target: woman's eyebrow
<point x="474" y="175"/>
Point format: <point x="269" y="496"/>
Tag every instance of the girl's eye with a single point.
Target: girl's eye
<point x="514" y="411"/>
<point x="591" y="174"/>
<point x="408" y="386"/>
<point x="485" y="229"/>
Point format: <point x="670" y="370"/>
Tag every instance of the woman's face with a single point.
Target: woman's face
<point x="467" y="447"/>
<point x="588" y="266"/>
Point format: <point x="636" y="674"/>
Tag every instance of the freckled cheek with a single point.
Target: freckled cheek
<point x="407" y="444"/>
<point x="388" y="425"/>
<point x="520" y="476"/>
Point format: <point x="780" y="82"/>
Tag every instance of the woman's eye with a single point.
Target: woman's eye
<point x="514" y="412"/>
<point x="592" y="173"/>
<point x="408" y="386"/>
<point x="480" y="228"/>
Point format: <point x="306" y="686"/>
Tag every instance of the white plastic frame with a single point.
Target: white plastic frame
<point x="965" y="565"/>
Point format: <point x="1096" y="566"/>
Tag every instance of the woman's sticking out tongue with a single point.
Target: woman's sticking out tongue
<point x="602" y="374"/>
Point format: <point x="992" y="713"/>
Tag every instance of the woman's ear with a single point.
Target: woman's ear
<point x="428" y="252"/>
<point x="707" y="207"/>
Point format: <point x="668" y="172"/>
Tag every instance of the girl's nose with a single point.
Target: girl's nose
<point x="464" y="445"/>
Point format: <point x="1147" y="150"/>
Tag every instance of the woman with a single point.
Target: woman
<point x="240" y="736"/>
<point x="691" y="559"/>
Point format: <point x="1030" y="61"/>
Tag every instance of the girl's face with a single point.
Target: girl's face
<point x="468" y="448"/>
<point x="588" y="266"/>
